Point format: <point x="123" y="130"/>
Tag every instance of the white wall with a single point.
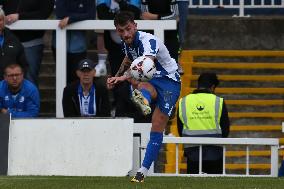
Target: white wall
<point x="75" y="147"/>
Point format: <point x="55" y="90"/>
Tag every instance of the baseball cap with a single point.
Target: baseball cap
<point x="86" y="64"/>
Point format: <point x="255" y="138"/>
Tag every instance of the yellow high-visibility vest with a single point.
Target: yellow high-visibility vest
<point x="200" y="114"/>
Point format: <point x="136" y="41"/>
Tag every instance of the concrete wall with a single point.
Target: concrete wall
<point x="262" y="33"/>
<point x="71" y="147"/>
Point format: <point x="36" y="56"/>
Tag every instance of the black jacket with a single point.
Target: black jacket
<point x="12" y="51"/>
<point x="208" y="152"/>
<point x="70" y="101"/>
<point x="28" y="10"/>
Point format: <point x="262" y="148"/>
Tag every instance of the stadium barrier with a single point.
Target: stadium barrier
<point x="83" y="25"/>
<point x="100" y="147"/>
<point x="241" y="5"/>
<point x="272" y="142"/>
<point x="70" y="147"/>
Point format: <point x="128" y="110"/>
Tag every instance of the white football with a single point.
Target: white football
<point x="142" y="68"/>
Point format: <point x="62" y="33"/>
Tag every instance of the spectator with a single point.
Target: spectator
<point x="107" y="10"/>
<point x="11" y="48"/>
<point x="86" y="97"/>
<point x="183" y="12"/>
<point x="70" y="11"/>
<point x="203" y="114"/>
<point x="31" y="40"/>
<point x="164" y="10"/>
<point x="101" y="69"/>
<point x="18" y="96"/>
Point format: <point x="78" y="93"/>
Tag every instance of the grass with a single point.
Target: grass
<point x="36" y="182"/>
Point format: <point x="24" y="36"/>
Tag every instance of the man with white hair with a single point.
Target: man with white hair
<point x="11" y="50"/>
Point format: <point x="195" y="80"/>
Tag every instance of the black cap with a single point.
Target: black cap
<point x="86" y="64"/>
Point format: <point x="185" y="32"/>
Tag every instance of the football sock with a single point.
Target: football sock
<point x="143" y="170"/>
<point x="146" y="95"/>
<point x="152" y="149"/>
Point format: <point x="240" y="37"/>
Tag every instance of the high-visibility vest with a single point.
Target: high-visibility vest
<point x="200" y="114"/>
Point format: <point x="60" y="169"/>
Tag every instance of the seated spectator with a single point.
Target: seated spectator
<point x="32" y="40"/>
<point x="18" y="96"/>
<point x="198" y="118"/>
<point x="11" y="48"/>
<point x="86" y="97"/>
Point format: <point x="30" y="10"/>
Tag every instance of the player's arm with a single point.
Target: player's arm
<point x="121" y="75"/>
<point x="124" y="67"/>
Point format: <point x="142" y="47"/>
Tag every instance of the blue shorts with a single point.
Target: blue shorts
<point x="168" y="92"/>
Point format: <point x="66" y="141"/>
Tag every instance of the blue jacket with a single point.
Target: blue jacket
<point x="25" y="104"/>
<point x="76" y="11"/>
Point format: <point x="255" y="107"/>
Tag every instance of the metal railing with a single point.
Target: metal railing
<point x="199" y="141"/>
<point x="157" y="25"/>
<point x="237" y="4"/>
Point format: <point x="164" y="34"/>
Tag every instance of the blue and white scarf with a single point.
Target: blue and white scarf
<point x="87" y="103"/>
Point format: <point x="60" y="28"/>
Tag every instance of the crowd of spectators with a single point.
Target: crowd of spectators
<point x="28" y="46"/>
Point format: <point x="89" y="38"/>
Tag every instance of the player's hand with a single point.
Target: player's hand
<point x="109" y="83"/>
<point x="112" y="81"/>
<point x="63" y="23"/>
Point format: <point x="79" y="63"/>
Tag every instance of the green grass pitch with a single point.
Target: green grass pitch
<point x="53" y="182"/>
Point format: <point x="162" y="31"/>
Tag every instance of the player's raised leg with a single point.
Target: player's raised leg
<point x="143" y="96"/>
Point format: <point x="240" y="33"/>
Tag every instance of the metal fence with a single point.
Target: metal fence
<point x="241" y="5"/>
<point x="199" y="141"/>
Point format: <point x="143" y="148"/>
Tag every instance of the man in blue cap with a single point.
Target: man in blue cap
<point x="86" y="97"/>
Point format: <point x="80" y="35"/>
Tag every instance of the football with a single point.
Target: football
<point x="142" y="68"/>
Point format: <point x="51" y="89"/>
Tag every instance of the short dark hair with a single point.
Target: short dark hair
<point x="12" y="65"/>
<point x="123" y="17"/>
<point x="207" y="80"/>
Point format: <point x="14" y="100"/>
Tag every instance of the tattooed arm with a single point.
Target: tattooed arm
<point x="125" y="65"/>
<point x="121" y="75"/>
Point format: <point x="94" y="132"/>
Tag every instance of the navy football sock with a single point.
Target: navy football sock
<point x="153" y="148"/>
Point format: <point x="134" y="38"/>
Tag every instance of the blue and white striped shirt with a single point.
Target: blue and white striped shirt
<point x="146" y="44"/>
